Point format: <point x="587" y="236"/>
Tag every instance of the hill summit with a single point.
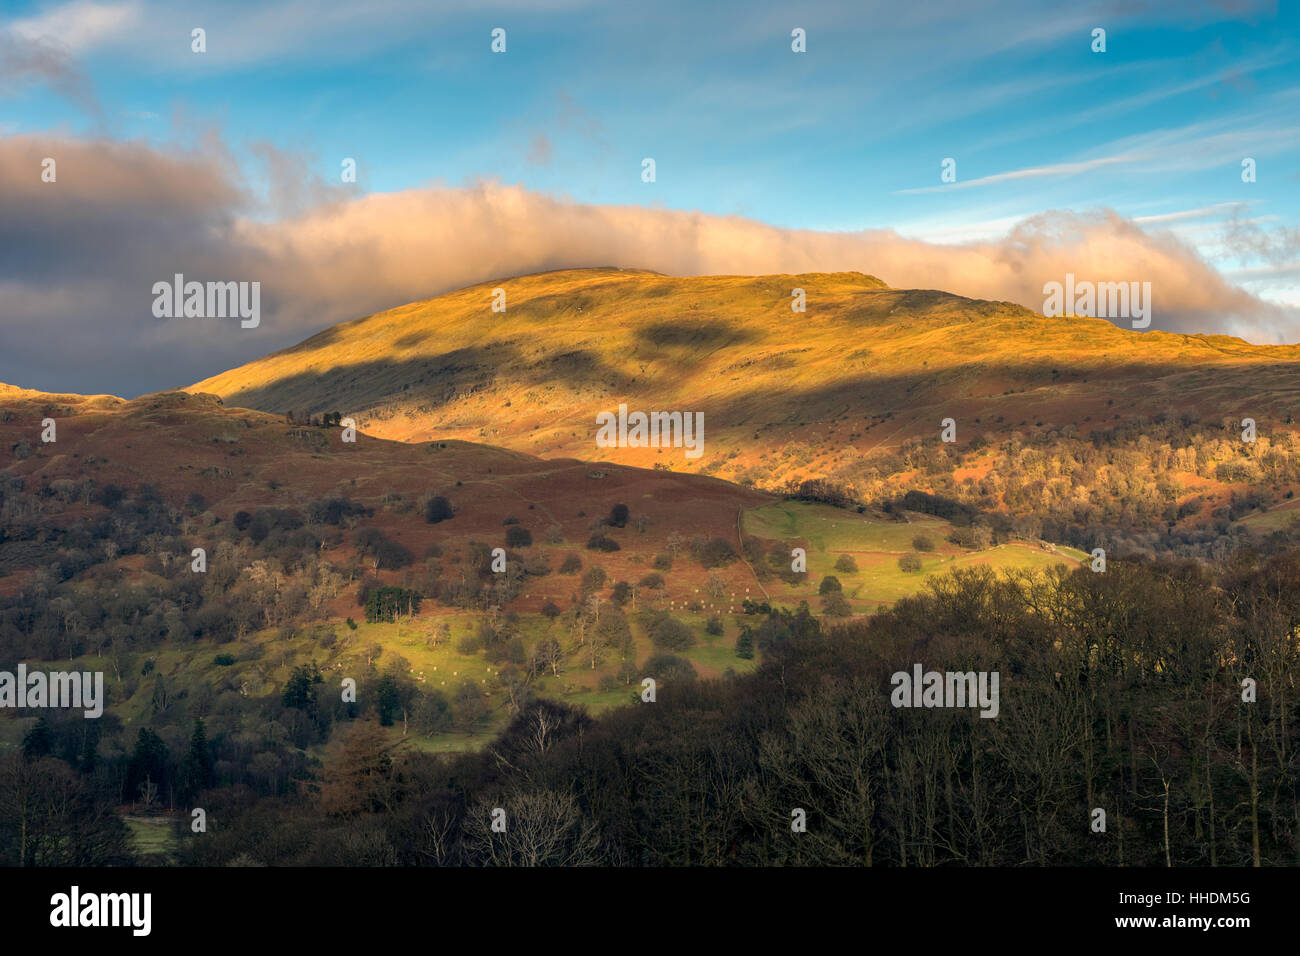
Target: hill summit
<point x="785" y="394"/>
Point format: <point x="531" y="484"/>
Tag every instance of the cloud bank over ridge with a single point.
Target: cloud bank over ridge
<point x="84" y="252"/>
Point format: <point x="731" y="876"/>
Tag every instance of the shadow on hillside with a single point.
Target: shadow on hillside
<point x="1019" y="391"/>
<point x="712" y="334"/>
<point x="431" y="382"/>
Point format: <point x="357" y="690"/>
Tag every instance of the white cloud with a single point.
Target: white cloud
<point x="1184" y="215"/>
<point x="81" y="25"/>
<point x="1032" y="172"/>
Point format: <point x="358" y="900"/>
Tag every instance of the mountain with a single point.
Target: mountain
<point x="865" y="366"/>
<point x="853" y="390"/>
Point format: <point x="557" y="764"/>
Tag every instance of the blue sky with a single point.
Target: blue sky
<point x="847" y="136"/>
<point x="737" y="123"/>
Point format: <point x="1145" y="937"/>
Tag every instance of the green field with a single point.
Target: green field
<point x="1278" y="518"/>
<point x="876" y="544"/>
<point x="154" y="837"/>
<point x="826" y="528"/>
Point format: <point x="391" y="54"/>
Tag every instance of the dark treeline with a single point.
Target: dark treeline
<point x="1120" y="691"/>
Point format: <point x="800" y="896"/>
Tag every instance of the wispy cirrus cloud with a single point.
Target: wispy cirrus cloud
<point x="46" y="49"/>
<point x="79" y="26"/>
<point x="1032" y="172"/>
<point x="27" y="63"/>
<point x="1185" y="215"/>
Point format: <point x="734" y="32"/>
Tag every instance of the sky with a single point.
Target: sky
<point x="1122" y="165"/>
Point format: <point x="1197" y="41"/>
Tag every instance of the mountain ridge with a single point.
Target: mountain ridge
<point x="866" y="367"/>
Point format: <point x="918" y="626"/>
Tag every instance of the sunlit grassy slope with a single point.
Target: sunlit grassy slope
<point x="875" y="546"/>
<point x="785" y="394"/>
